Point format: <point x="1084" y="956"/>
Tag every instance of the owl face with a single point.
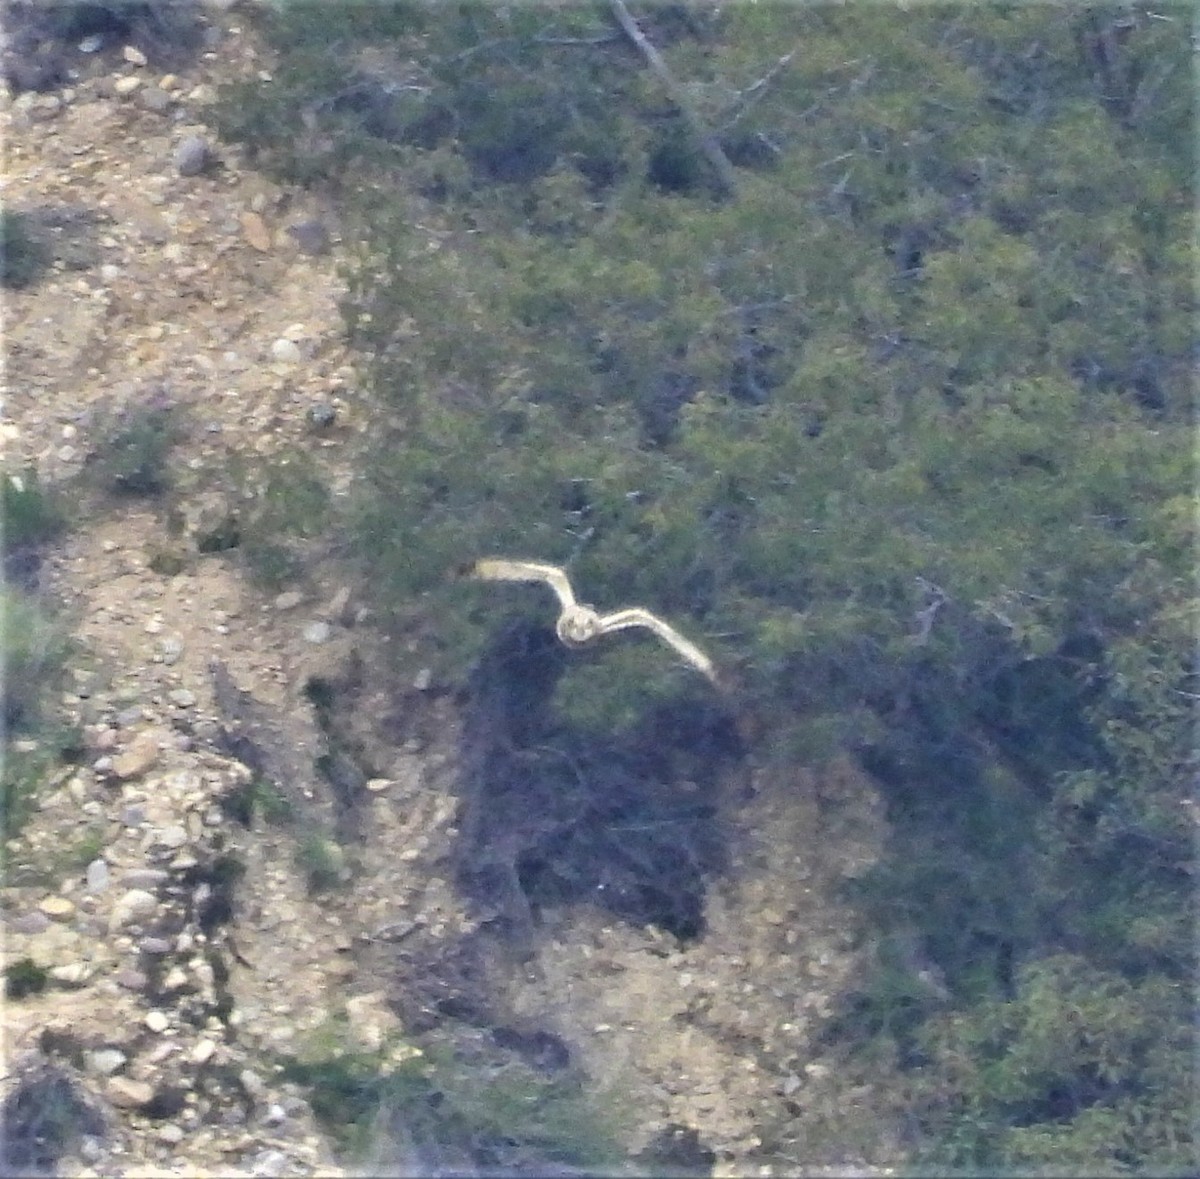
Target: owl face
<point x="578" y="624"/>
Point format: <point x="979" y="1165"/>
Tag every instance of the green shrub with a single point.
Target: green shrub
<point x="133" y="449"/>
<point x="23" y="257"/>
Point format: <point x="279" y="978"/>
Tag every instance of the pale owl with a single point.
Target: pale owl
<point x="579" y="624"/>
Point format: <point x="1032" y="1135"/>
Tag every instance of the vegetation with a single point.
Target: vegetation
<point x="23" y="256"/>
<point x="899" y="425"/>
<point x="134" y="446"/>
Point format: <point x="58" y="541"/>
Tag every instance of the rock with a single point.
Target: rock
<point x="171" y="1134"/>
<point x="133" y="55"/>
<point x="255" y="231"/>
<point x="270" y="1163"/>
<point x="92" y="44"/>
<point x="29" y="923"/>
<point x="170" y="649"/>
<point x="73" y="974"/>
<point x="134" y="905"/>
<point x="182" y="697"/>
<point x="286" y="351"/>
<point x="131" y="980"/>
<point x="423" y="680"/>
<point x="97" y="877"/>
<point x="58" y="908"/>
<point x="127" y="1093"/>
<point x="155" y="99"/>
<point x="192" y="156"/>
<point x="289" y="600"/>
<point x="203" y="1051"/>
<point x="137" y="759"/>
<point x="322" y="415"/>
<point x="311" y="237"/>
<point x="173" y="836"/>
<point x="144" y="877"/>
<point x="317" y="633"/>
<point x="105" y="1061"/>
<point x="157" y="1021"/>
<point x="126" y="86"/>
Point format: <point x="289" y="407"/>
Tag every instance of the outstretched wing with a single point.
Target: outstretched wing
<point x="624" y="619"/>
<point x="499" y="569"/>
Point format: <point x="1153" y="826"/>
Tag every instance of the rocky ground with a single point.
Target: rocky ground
<point x="185" y="948"/>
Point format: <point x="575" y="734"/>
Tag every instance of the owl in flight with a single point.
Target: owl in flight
<point x="579" y="624"/>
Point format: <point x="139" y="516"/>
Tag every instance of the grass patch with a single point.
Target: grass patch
<point x="323" y="863"/>
<point x="23" y="978"/>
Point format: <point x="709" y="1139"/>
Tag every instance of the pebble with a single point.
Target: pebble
<point x="133" y="905"/>
<point x="72" y="974"/>
<point x="276" y="1115"/>
<point x="133" y="55"/>
<point x="137" y="759"/>
<point x="127" y="85"/>
<point x="106" y="1060"/>
<point x="58" y="908"/>
<point x="270" y="1163"/>
<point x="192" y="156"/>
<point x="203" y="1051"/>
<point x="289" y="600"/>
<point x="144" y="877"/>
<point x="131" y="980"/>
<point x="155" y="945"/>
<point x="423" y="679"/>
<point x="255" y="231"/>
<point x="128" y="1093"/>
<point x="171" y="1134"/>
<point x="311" y="237"/>
<point x="155" y="99"/>
<point x="173" y="836"/>
<point x="170" y="649"/>
<point x="182" y="697"/>
<point x="317" y="632"/>
<point x="322" y="415"/>
<point x="92" y="44"/>
<point x="157" y="1021"/>
<point x="30" y="923"/>
<point x="97" y="876"/>
<point x="286" y="351"/>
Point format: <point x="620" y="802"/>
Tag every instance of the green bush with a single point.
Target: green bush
<point x="23" y="256"/>
<point x="132" y="452"/>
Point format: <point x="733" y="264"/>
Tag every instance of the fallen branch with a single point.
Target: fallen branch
<point x="705" y="138"/>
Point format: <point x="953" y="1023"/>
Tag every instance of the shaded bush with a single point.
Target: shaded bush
<point x="23" y="255"/>
<point x="43" y="1116"/>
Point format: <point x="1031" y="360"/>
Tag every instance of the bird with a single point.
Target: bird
<point x="579" y="623"/>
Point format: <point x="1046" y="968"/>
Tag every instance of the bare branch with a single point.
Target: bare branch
<point x="707" y="141"/>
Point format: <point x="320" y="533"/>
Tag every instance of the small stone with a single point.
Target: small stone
<point x="255" y="231"/>
<point x="144" y="877"/>
<point x="97" y="877"/>
<point x="377" y="785"/>
<point x="170" y="649"/>
<point x="423" y="679"/>
<point x="175" y="980"/>
<point x="289" y="600"/>
<point x="128" y="1093"/>
<point x="58" y="908"/>
<point x="133" y="55"/>
<point x="311" y="237"/>
<point x="192" y="156"/>
<point x="30" y="923"/>
<point x="286" y="351"/>
<point x="254" y="1085"/>
<point x="317" y="632"/>
<point x="322" y="415"/>
<point x="137" y="759"/>
<point x="155" y="945"/>
<point x="155" y="99"/>
<point x="157" y="1021"/>
<point x="173" y="836"/>
<point x="106" y="1061"/>
<point x="270" y="1164"/>
<point x="72" y="974"/>
<point x="171" y="1134"/>
<point x="92" y="44"/>
<point x="169" y="82"/>
<point x="276" y="1115"/>
<point x="182" y="697"/>
<point x="131" y="980"/>
<point x="124" y="86"/>
<point x="133" y="906"/>
<point x="203" y="1051"/>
